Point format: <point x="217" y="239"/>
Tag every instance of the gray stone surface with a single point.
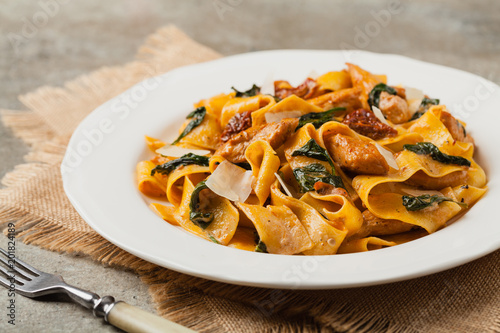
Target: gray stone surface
<point x="52" y="41"/>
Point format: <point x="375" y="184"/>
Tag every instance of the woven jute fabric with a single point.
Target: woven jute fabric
<point x="464" y="299"/>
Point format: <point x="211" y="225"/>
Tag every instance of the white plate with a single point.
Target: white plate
<point x="99" y="172"/>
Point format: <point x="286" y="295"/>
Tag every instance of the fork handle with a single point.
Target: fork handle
<point x="134" y="320"/>
<point x="120" y="314"/>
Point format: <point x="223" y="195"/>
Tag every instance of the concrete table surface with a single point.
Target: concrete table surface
<point x="59" y="40"/>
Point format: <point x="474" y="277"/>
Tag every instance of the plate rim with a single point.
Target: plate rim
<point x="270" y="283"/>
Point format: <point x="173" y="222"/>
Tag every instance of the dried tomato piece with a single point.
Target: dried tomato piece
<point x="305" y="90"/>
<point x="367" y="124"/>
<point x="239" y="122"/>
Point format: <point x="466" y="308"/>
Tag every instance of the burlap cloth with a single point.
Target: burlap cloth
<point x="464" y="299"/>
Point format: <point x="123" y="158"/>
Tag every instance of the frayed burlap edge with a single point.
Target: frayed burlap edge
<point x="27" y="125"/>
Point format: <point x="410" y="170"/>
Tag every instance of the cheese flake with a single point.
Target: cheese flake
<point x="387" y="155"/>
<point x="231" y="182"/>
<point x="378" y="113"/>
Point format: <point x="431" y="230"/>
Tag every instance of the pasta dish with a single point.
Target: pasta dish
<point x="341" y="163"/>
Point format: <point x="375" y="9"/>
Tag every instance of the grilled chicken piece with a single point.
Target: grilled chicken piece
<point x="456" y="129"/>
<point x="394" y="108"/>
<point x="376" y="226"/>
<point x="356" y="156"/>
<point x="275" y="134"/>
<point x="234" y="149"/>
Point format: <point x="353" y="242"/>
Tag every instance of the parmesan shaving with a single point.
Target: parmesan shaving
<point x="282" y="182"/>
<point x="176" y="151"/>
<point x="231" y="182"/>
<point x="274" y="117"/>
<point x="387" y="155"/>
<point x="413" y="93"/>
<point x="414" y="98"/>
<point x="267" y="87"/>
<point x="379" y="115"/>
<point x="413" y="105"/>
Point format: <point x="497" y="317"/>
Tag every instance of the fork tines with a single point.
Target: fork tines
<point x="16" y="272"/>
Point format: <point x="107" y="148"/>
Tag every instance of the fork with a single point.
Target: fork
<point x="31" y="282"/>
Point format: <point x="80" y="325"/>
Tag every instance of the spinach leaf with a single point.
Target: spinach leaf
<point x="412" y="203"/>
<point x="277" y="99"/>
<point x="317" y="118"/>
<point x="261" y="247"/>
<point x="197" y="115"/>
<point x="313" y="173"/>
<point x="212" y="238"/>
<point x="424" y="106"/>
<point x="255" y="90"/>
<point x="186" y="159"/>
<point x="429" y="101"/>
<point x="201" y="219"/>
<point x="374" y="96"/>
<point x="313" y="150"/>
<point x="427" y="148"/>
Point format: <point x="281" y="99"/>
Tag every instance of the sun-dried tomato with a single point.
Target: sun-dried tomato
<point x="367" y="124"/>
<point x="239" y="122"/>
<point x="305" y="90"/>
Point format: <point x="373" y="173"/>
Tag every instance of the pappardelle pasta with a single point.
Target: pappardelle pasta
<point x="341" y="163"/>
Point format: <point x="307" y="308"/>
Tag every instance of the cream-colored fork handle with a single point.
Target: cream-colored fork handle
<point x="134" y="320"/>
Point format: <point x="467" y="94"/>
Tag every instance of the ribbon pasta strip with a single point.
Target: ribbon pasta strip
<point x="338" y="164"/>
